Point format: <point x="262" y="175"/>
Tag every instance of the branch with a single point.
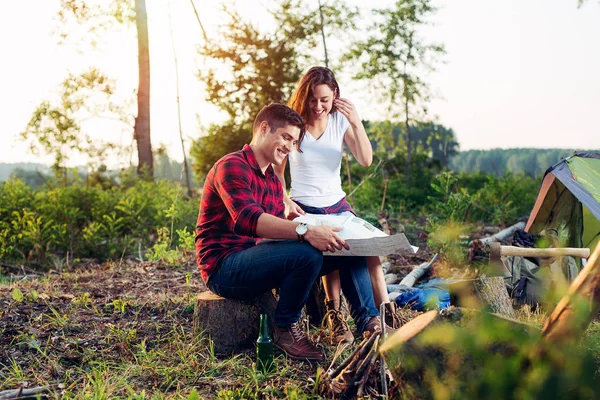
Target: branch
<point x="366" y="179"/>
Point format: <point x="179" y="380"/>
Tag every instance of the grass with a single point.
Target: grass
<point x="125" y="331"/>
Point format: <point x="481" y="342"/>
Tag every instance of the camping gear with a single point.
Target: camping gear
<point x="497" y="250"/>
<point x="569" y="201"/>
<point x="429" y="296"/>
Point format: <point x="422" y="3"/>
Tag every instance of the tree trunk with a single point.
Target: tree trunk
<point x="483" y="292"/>
<point x="231" y="324"/>
<point x="408" y="141"/>
<point x="323" y="34"/>
<point x="142" y="120"/>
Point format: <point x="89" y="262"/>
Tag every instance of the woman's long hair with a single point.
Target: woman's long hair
<point x="304" y="91"/>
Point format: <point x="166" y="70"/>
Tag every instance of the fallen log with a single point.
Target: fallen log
<point x="500" y="236"/>
<point x="415" y="274"/>
<point x="23" y="393"/>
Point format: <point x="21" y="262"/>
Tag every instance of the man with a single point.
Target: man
<point x="242" y="201"/>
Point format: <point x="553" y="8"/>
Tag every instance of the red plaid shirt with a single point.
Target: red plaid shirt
<point x="235" y="194"/>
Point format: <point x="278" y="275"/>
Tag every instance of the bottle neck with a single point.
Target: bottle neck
<point x="264" y="326"/>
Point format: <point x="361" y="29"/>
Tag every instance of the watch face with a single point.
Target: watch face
<point x="301" y="229"/>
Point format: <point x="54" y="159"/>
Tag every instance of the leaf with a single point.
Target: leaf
<point x="193" y="395"/>
<point x="17" y="295"/>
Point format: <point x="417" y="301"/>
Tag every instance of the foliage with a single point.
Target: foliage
<point x="85" y="22"/>
<point x="393" y="56"/>
<point x="259" y="68"/>
<point x="532" y="162"/>
<point x="495" y="359"/>
<point x="55" y="129"/>
<point x="481" y="197"/>
<point x="90" y="221"/>
<point x="393" y="53"/>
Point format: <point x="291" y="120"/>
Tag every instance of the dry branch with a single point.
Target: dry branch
<point x="575" y="311"/>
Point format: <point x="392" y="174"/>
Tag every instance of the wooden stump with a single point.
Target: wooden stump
<point x="231" y="324"/>
<point x="482" y="292"/>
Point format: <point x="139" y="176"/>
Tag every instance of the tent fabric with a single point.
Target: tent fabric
<point x="572" y="174"/>
<point x="569" y="201"/>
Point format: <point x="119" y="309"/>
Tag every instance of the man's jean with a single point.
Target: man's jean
<point x="293" y="267"/>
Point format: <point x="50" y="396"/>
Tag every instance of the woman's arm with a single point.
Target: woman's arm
<point x="356" y="137"/>
<point x="292" y="210"/>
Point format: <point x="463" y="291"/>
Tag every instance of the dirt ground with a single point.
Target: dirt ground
<point x="56" y="326"/>
<point x="58" y="329"/>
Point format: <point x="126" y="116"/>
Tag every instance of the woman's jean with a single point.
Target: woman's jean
<point x="293" y="267"/>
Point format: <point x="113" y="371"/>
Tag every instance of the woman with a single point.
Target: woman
<point x="316" y="186"/>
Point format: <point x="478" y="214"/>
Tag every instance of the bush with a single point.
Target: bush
<point x="81" y="221"/>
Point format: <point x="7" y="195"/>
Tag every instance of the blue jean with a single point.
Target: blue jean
<point x="293" y="267"/>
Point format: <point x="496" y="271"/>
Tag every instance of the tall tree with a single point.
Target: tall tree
<point x="394" y="58"/>
<point x="98" y="17"/>
<point x="142" y="120"/>
<point x="257" y="68"/>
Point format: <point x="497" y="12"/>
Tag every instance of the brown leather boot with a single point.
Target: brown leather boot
<point x="391" y="315"/>
<point x="374" y="325"/>
<point x="339" y="331"/>
<point x="293" y="341"/>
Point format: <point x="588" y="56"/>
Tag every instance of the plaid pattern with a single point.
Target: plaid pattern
<point x="235" y="194"/>
<point x="338" y="207"/>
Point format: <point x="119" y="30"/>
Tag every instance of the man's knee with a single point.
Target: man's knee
<point x="310" y="258"/>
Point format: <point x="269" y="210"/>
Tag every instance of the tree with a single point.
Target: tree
<point x="394" y="58"/>
<point x="55" y="126"/>
<point x="436" y="139"/>
<point x="142" y="120"/>
<point x="97" y="17"/>
<point x="262" y="68"/>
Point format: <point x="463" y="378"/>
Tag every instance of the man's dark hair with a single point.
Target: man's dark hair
<point x="279" y="115"/>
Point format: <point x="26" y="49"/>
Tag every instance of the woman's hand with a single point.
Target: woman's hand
<point x="346" y="107"/>
<point x="292" y="210"/>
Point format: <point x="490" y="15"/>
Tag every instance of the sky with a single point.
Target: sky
<point x="517" y="73"/>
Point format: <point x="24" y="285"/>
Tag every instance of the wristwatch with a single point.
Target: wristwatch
<point x="301" y="230"/>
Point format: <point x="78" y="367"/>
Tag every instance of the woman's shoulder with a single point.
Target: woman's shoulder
<point x="340" y="121"/>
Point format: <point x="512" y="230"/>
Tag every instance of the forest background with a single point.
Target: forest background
<point x="122" y="212"/>
<point x="418" y="173"/>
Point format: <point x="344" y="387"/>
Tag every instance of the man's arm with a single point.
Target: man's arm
<point x="322" y="237"/>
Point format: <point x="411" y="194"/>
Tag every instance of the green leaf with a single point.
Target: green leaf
<point x="193" y="395"/>
<point x="17" y="295"/>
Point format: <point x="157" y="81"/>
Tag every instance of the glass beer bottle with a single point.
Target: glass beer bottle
<point x="264" y="346"/>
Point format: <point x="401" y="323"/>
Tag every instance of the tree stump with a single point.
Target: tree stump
<point x="231" y="324"/>
<point x="482" y="292"/>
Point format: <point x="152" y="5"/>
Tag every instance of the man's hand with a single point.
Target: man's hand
<point x="292" y="210"/>
<point x="325" y="238"/>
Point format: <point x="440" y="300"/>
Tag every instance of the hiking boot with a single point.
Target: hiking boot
<point x="392" y="317"/>
<point x="374" y="325"/>
<point x="293" y="341"/>
<point x="339" y="331"/>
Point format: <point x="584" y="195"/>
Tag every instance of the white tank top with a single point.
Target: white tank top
<point x="316" y="171"/>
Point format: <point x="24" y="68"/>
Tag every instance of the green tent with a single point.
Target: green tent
<point x="569" y="201"/>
